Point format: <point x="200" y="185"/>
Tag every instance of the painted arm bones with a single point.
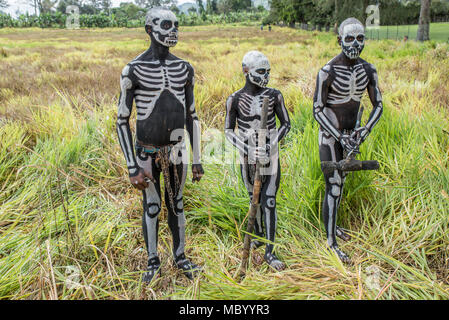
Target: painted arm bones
<point x="241" y="142"/>
<point x="319" y="103"/>
<point x="376" y="100"/>
<point x="230" y="121"/>
<point x="282" y="114"/>
<point x="192" y="122"/>
<point x="127" y="84"/>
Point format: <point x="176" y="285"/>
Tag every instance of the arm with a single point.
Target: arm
<point x="281" y="112"/>
<point x="376" y="100"/>
<point x="230" y="121"/>
<point x="319" y="102"/>
<point x="127" y="87"/>
<point x="193" y="126"/>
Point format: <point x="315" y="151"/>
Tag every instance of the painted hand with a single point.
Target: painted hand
<point x="140" y="181"/>
<point x="258" y="153"/>
<point x="348" y="143"/>
<point x="359" y="135"/>
<point x="197" y="171"/>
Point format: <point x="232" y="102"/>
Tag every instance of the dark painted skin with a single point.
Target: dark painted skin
<point x="167" y="115"/>
<point x="345" y="120"/>
<point x="267" y="200"/>
<point x="347" y="113"/>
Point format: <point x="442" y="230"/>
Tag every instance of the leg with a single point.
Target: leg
<point x="150" y="221"/>
<point x="339" y="231"/>
<point x="248" y="177"/>
<point x="268" y="207"/>
<point x="177" y="220"/>
<point x="331" y="150"/>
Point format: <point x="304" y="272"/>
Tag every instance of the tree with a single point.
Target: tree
<point x="175" y="9"/>
<point x="214" y="6"/>
<point x="146" y="4"/>
<point x="33" y="3"/>
<point x="191" y="10"/>
<point x="63" y="4"/>
<point x="424" y="21"/>
<point x="199" y="3"/>
<point x="46" y="6"/>
<point x="225" y="6"/>
<point x="128" y="10"/>
<point x="3" y="4"/>
<point x="106" y="5"/>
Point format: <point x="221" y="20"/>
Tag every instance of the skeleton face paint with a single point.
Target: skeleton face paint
<point x="352" y="36"/>
<point x="164" y="26"/>
<point x="256" y="66"/>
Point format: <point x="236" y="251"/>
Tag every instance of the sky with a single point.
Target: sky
<point x="22" y="5"/>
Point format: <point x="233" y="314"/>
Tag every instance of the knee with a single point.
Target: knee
<point x="270" y="203"/>
<point x="152" y="210"/>
<point x="336" y="183"/>
<point x="179" y="204"/>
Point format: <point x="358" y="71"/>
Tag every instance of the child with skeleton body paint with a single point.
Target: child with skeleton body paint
<point x="339" y="89"/>
<point x="243" y="108"/>
<point x="161" y="85"/>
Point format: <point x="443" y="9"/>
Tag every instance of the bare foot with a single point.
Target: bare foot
<point x="340" y="232"/>
<point x="341" y="255"/>
<point x="274" y="262"/>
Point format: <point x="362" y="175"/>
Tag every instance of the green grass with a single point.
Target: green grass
<point x="66" y="203"/>
<point x="438" y="32"/>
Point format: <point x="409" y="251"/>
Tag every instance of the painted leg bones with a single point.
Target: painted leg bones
<point x="161" y="85"/>
<point x="243" y="109"/>
<point x="340" y="86"/>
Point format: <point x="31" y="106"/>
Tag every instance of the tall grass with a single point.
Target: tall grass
<point x="70" y="224"/>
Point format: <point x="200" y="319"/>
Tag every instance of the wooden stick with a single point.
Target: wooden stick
<point x="255" y="201"/>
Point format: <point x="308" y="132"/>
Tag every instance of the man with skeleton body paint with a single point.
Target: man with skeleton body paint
<point x="244" y="109"/>
<point x="339" y="89"/>
<point x="162" y="87"/>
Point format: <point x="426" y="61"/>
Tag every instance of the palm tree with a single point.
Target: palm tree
<point x="424" y="21"/>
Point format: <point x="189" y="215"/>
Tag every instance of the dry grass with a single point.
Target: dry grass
<point x="66" y="202"/>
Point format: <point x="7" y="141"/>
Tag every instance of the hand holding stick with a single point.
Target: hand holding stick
<point x="255" y="201"/>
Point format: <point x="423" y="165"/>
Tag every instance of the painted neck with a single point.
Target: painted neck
<point x="159" y="51"/>
<point x="347" y="61"/>
<point x="251" y="88"/>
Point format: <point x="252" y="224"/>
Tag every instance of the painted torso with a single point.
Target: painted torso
<point x="160" y="98"/>
<point x="250" y="108"/>
<point x="348" y="84"/>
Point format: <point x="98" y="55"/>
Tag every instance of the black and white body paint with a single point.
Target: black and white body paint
<point x="257" y="67"/>
<point x="340" y="86"/>
<point x="162" y="87"/>
<point x="352" y="37"/>
<point x="243" y="108"/>
<point x="164" y="26"/>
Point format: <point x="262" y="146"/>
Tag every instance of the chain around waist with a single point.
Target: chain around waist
<point x="149" y="148"/>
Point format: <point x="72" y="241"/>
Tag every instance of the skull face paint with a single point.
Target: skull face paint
<point x="257" y="67"/>
<point x="352" y="38"/>
<point x="164" y="26"/>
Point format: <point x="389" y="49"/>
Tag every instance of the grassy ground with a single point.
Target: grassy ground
<point x="438" y="32"/>
<point x="70" y="224"/>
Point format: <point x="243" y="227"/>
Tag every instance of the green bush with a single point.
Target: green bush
<point x="102" y="20"/>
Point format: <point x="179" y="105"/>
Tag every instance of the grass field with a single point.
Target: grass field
<point x="438" y="32"/>
<point x="70" y="223"/>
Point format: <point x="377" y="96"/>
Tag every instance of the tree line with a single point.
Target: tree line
<point x="331" y="12"/>
<point x="100" y="13"/>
